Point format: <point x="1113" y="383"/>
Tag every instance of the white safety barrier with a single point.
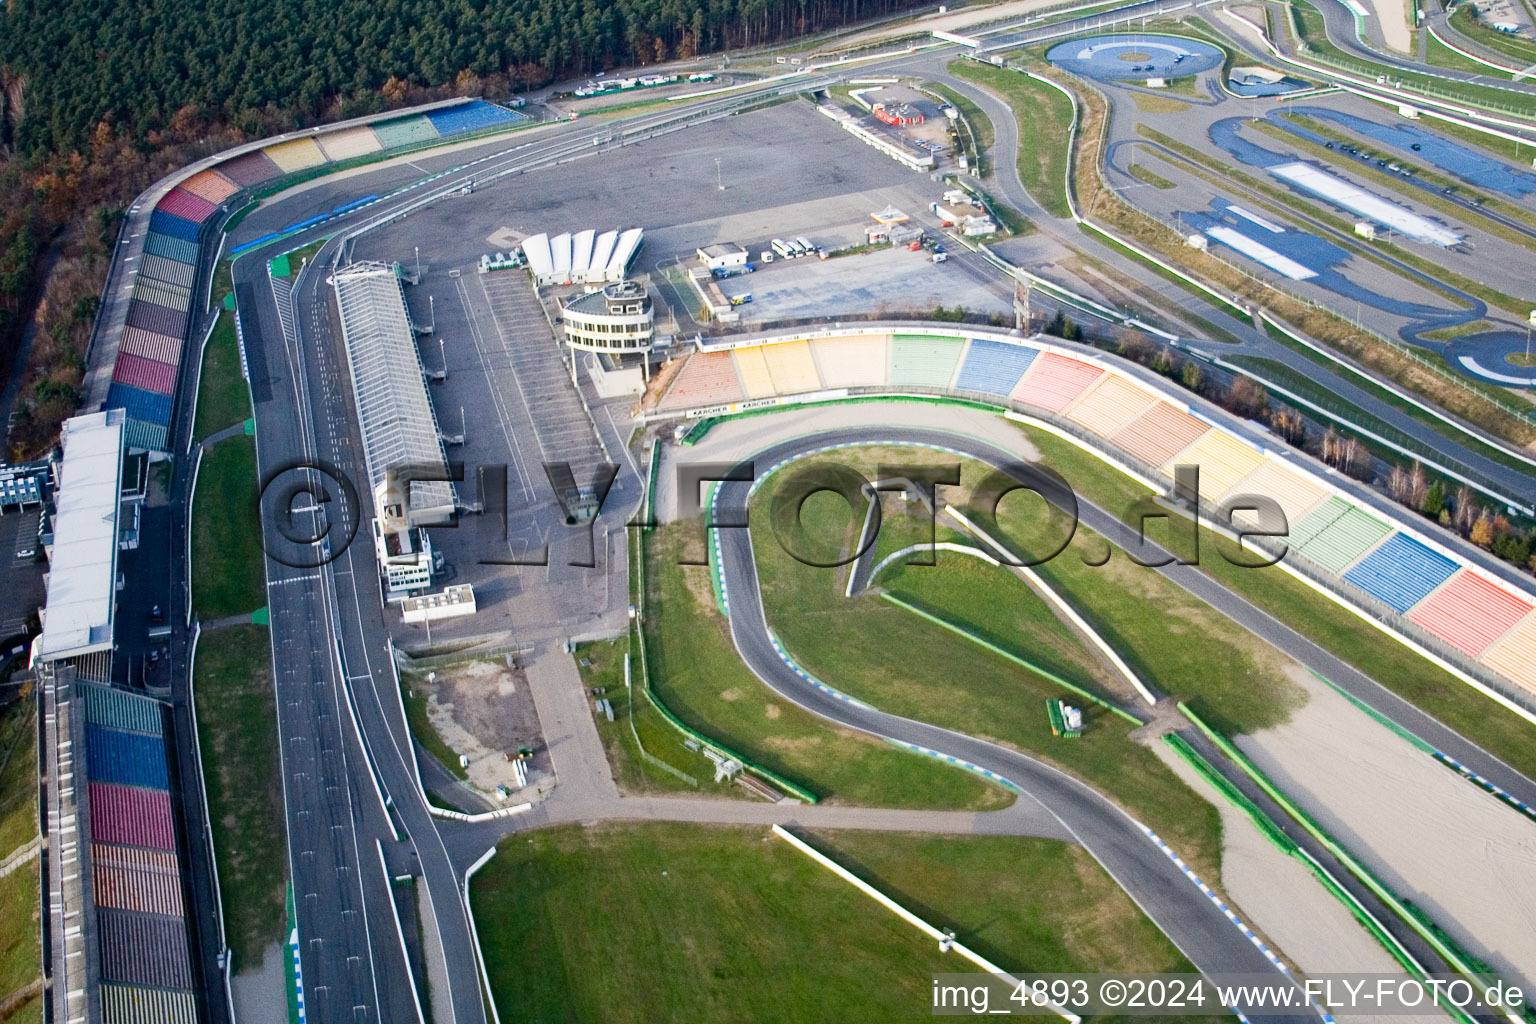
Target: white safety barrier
<point x="1033" y="579"/>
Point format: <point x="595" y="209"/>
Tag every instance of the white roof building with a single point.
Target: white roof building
<point x="583" y="258"/>
<point x="399" y="427"/>
<point x="82" y="576"/>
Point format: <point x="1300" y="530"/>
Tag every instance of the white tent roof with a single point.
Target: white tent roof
<point x="82" y="575"/>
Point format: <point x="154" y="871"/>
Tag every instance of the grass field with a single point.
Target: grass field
<point x="697" y="673"/>
<point x="936" y="676"/>
<point x="1044" y="116"/>
<point x="638" y="730"/>
<point x="228" y="564"/>
<point x="689" y="922"/>
<point x="222" y="398"/>
<point x="1344" y="635"/>
<point x="237" y="733"/>
<point x="19" y="910"/>
<point x="425" y="732"/>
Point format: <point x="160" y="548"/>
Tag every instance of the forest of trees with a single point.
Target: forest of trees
<point x="99" y="98"/>
<point x="73" y="64"/>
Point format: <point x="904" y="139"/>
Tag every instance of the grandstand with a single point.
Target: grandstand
<point x="393" y="409"/>
<point x="924" y="361"/>
<point x="211" y="186"/>
<point x="349" y="143"/>
<point x="1294" y="493"/>
<point x="408" y="131"/>
<point x="1333" y="537"/>
<point x="707" y="378"/>
<point x="476" y="116"/>
<point x="1337" y="533"/>
<point x="1223" y="460"/>
<point x="1470" y="612"/>
<point x="1110" y="404"/>
<point x="1054" y="381"/>
<point x="249" y="169"/>
<point x="122" y="1004"/>
<point x="993" y="368"/>
<point x="752" y="368"/>
<point x="852" y="361"/>
<point x="297" y="155"/>
<point x="1401" y="572"/>
<point x="159" y="268"/>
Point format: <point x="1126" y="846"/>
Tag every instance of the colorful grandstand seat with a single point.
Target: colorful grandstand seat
<point x="295" y="155"/>
<point x="249" y="169"/>
<point x="1110" y="404"/>
<point x="164" y="223"/>
<point x="924" y="361"/>
<point x="210" y="185"/>
<point x="708" y="378"/>
<point x="1223" y="461"/>
<point x="150" y="406"/>
<point x="1294" y="493"/>
<point x="131" y="816"/>
<point x="147" y="374"/>
<point x="1054" y="381"/>
<point x="128" y="878"/>
<point x="1160" y="432"/>
<point x="1470" y="611"/>
<point x="791" y="367"/>
<point x="1515" y="654"/>
<point x="157" y="319"/>
<point x="1336" y="533"/>
<point x="852" y="361"/>
<point x="144" y="949"/>
<point x="472" y="117"/>
<point x="1401" y="572"/>
<point x="408" y="131"/>
<point x="752" y="367"/>
<point x="178" y="202"/>
<point x="130" y="758"/>
<point x="171" y="247"/>
<point x="132" y="1004"/>
<point x="159" y="268"/>
<point x="992" y="367"/>
<point x="349" y="143"/>
<point x="161" y="294"/>
<point x="118" y="710"/>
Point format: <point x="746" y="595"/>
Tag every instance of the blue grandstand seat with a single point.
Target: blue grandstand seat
<point x="127" y="758"/>
<point x="472" y="117"/>
<point x="993" y="368"/>
<point x="1401" y="572"/>
<point x="164" y="223"/>
<point x="141" y="404"/>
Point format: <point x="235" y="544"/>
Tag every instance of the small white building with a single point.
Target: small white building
<point x="722" y="255"/>
<point x="451" y="603"/>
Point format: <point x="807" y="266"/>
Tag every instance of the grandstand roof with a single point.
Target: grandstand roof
<point x="393" y="409"/>
<point x="82" y="575"/>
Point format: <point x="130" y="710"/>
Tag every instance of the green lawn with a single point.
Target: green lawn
<point x="1045" y="120"/>
<point x="222" y="397"/>
<point x="697" y="673"/>
<point x="633" y="716"/>
<point x="425" y="732"/>
<point x="228" y="564"/>
<point x="19" y="912"/>
<point x="18" y="776"/>
<point x="690" y="922"/>
<point x="237" y="734"/>
<point x="939" y="677"/>
<point x="1343" y="634"/>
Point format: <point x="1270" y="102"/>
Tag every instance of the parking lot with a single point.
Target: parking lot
<point x="881" y="282"/>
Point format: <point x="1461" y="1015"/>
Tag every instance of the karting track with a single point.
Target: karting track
<point x="1125" y="847"/>
<point x="1107" y="57"/>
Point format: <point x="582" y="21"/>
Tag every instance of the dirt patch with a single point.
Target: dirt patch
<point x="1279" y="897"/>
<point x="1464" y="858"/>
<point x="482" y="709"/>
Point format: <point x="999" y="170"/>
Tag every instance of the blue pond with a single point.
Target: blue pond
<point x="1103" y="57"/>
